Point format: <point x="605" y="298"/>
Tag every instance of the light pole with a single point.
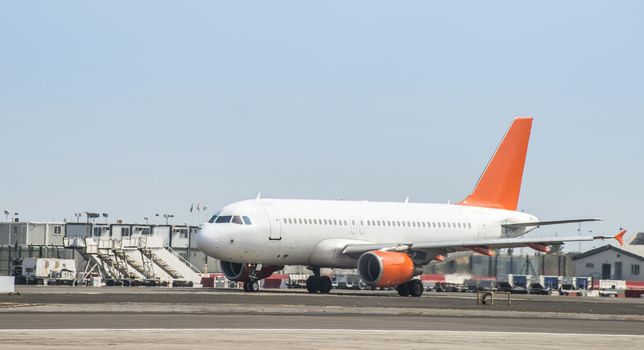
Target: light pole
<point x="105" y="215"/>
<point x="6" y="215"/>
<point x="146" y="220"/>
<point x="78" y="216"/>
<point x="166" y="216"/>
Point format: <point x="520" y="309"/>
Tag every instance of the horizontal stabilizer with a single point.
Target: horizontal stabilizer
<point x="544" y="223"/>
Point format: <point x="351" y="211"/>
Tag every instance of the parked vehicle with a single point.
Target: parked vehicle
<point x="448" y="287"/>
<point x="568" y="289"/>
<point x="537" y="288"/>
<point x="480" y="285"/>
<point x="507" y="287"/>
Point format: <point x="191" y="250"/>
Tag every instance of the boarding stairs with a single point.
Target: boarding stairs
<point x="168" y="260"/>
<point x="137" y="259"/>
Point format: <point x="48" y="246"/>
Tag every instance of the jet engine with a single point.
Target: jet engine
<point x="239" y="272"/>
<point x="386" y="269"/>
<point x="235" y="271"/>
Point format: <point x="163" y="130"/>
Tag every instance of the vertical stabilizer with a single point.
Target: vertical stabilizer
<point x="500" y="184"/>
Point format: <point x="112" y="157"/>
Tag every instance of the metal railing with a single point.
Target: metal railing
<point x="183" y="260"/>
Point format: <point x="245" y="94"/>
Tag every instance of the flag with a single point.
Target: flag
<point x="198" y="207"/>
<point x="192" y="207"/>
<point x="204" y="207"/>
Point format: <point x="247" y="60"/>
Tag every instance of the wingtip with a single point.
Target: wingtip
<point x="620" y="237"/>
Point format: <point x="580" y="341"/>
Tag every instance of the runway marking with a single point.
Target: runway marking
<point x="313" y="330"/>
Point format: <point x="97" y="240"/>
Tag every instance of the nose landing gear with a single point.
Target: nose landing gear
<point x="251" y="286"/>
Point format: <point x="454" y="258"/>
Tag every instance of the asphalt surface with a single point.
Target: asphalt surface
<point x="91" y="320"/>
<point x="355" y="299"/>
<point x="167" y="318"/>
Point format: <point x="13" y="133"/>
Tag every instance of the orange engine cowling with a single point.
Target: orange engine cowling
<point x="385" y="269"/>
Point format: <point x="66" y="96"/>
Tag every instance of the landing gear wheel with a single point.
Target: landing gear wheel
<point x="253" y="286"/>
<point x="325" y="285"/>
<point x="416" y="288"/>
<point x="403" y="289"/>
<point x="313" y="284"/>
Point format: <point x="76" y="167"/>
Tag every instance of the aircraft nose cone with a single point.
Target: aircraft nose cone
<point x="206" y="239"/>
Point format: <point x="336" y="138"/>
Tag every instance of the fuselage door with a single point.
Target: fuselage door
<point x="481" y="224"/>
<point x="274" y="223"/>
<point x="353" y="221"/>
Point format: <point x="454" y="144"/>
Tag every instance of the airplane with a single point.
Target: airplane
<point x="387" y="242"/>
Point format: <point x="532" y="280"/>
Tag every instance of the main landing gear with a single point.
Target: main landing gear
<point x="317" y="283"/>
<point x="412" y="288"/>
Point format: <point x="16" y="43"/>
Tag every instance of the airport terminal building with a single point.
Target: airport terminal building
<point x="136" y="247"/>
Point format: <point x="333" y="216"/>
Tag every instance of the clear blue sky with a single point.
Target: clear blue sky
<point x="133" y="108"/>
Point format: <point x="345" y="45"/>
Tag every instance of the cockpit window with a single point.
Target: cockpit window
<point x="247" y="220"/>
<point x="224" y="219"/>
<point x="237" y="220"/>
<point x="214" y="217"/>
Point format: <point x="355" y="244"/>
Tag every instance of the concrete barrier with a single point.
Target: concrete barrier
<point x="7" y="284"/>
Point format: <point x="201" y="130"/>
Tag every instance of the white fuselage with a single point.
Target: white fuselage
<point x="314" y="232"/>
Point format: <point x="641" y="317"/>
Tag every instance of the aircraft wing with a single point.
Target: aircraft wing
<point x="483" y="246"/>
<point x="543" y="223"/>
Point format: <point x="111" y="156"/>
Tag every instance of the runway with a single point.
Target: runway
<point x="208" y="318"/>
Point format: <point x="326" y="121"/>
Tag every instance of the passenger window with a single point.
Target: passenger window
<point x="299" y="221"/>
<point x="335" y="222"/>
<point x="224" y="219"/>
<point x="247" y="220"/>
<point x="345" y="222"/>
<point x="237" y="220"/>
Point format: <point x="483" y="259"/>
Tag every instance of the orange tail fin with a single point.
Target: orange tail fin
<point x="500" y="184"/>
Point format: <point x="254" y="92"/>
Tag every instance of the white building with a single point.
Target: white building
<point x="610" y="262"/>
<point x="32" y="233"/>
